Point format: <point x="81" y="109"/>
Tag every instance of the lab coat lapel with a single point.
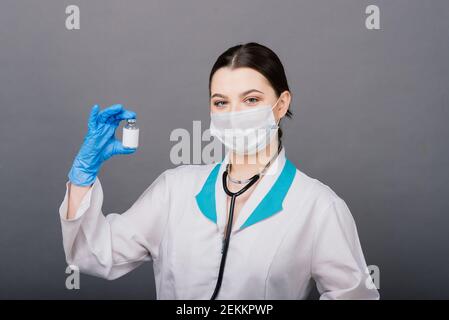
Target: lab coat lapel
<point x="221" y="197"/>
<point x="205" y="199"/>
<point x="265" y="200"/>
<point x="211" y="199"/>
<point x="251" y="212"/>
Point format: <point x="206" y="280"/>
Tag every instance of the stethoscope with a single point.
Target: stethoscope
<point x="250" y="182"/>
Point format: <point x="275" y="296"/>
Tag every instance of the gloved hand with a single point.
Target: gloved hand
<point x="99" y="143"/>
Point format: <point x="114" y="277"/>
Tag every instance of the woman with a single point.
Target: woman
<point x="250" y="227"/>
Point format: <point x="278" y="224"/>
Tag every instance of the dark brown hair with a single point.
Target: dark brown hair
<point x="259" y="58"/>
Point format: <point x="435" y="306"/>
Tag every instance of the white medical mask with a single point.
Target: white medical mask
<point x="245" y="132"/>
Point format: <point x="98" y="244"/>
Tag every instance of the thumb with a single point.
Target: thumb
<point x="119" y="148"/>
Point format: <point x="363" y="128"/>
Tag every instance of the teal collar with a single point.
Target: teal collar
<point x="206" y="197"/>
<point x="270" y="204"/>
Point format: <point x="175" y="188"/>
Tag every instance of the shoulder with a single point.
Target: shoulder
<point x="189" y="170"/>
<point x="327" y="209"/>
<point x="321" y="197"/>
<point x="315" y="188"/>
<point x="188" y="175"/>
<point x="181" y="179"/>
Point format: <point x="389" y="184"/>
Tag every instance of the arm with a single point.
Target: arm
<point x="99" y="145"/>
<point x="85" y="229"/>
<point x="76" y="195"/>
<point x="338" y="264"/>
<point x="109" y="246"/>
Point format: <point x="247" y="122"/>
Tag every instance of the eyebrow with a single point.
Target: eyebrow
<point x="242" y="94"/>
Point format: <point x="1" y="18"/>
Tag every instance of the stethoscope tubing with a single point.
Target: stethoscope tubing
<point x="227" y="239"/>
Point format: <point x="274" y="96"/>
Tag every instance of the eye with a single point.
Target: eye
<point x="219" y="103"/>
<point x="252" y="100"/>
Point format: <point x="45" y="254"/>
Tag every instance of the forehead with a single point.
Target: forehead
<point x="229" y="81"/>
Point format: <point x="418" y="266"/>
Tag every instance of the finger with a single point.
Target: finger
<point x="93" y="115"/>
<point x="119" y="148"/>
<point x="111" y="111"/>
<point x="125" y="114"/>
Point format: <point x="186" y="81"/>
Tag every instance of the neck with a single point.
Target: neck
<point x="245" y="166"/>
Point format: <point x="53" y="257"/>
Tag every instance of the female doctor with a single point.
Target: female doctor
<point x="250" y="227"/>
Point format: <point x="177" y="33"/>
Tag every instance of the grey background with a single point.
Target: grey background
<point x="370" y="120"/>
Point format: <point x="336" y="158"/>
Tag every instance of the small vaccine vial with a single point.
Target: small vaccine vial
<point x="130" y="137"/>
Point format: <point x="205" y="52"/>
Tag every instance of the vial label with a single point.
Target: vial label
<point x="130" y="138"/>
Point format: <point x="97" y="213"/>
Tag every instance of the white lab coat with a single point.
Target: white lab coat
<point x="292" y="230"/>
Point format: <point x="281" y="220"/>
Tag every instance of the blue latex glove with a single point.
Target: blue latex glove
<point x="99" y="144"/>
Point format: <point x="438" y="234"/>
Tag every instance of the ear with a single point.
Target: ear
<point x="283" y="103"/>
